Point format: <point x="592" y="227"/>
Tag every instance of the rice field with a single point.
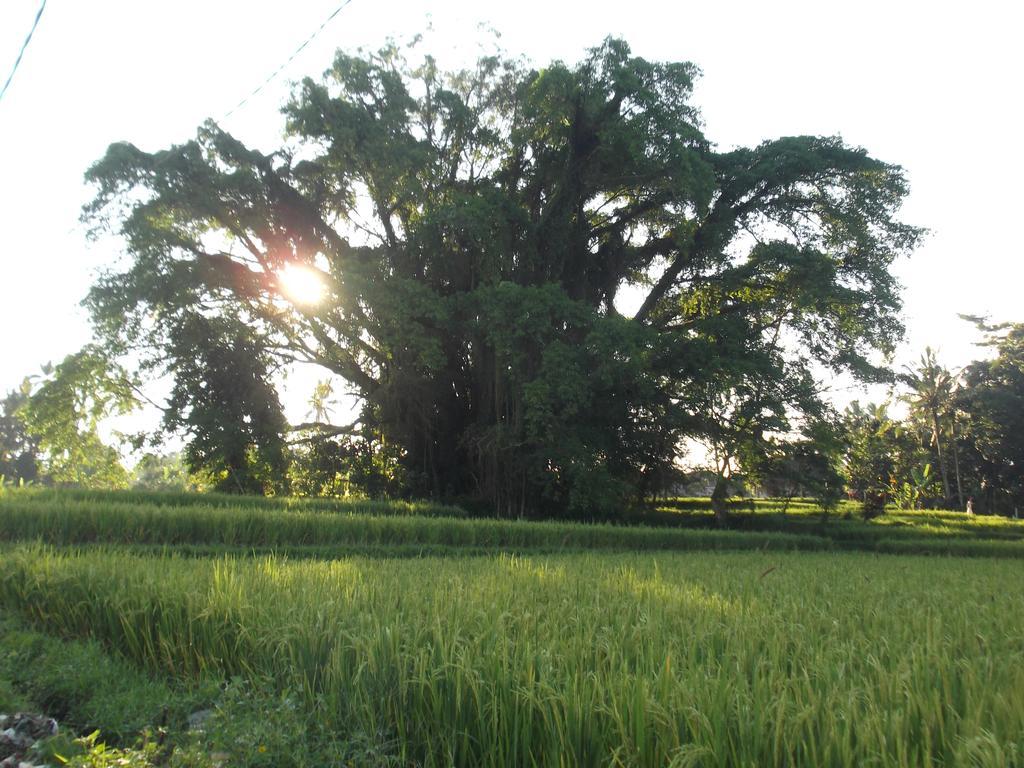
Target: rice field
<point x="589" y="657"/>
<point x="74" y="520"/>
<point x="328" y="528"/>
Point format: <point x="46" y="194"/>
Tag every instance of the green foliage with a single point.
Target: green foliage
<point x="96" y="754"/>
<point x="224" y="402"/>
<point x="320" y="401"/>
<point x="911" y="493"/>
<point x="144" y="721"/>
<point x="361" y="465"/>
<point x="256" y="724"/>
<point x="471" y="301"/>
<point x="878" y="455"/>
<point x="807" y="467"/>
<point x="10" y="699"/>
<point x="85" y="688"/>
<point x="991" y="404"/>
<point x="19" y="450"/>
<point x="156" y="472"/>
<point x="931" y="400"/>
<point x="64" y="412"/>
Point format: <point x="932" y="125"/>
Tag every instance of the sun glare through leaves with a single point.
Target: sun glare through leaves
<point x="301" y="284"/>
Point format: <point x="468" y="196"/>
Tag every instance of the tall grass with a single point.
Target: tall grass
<point x="72" y="519"/>
<point x="45" y="496"/>
<point x="897" y="531"/>
<point x="183" y="520"/>
<point x="591" y="660"/>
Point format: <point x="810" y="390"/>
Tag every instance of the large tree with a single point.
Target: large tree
<point x="479" y="236"/>
<point x="225" y="404"/>
<point x="992" y="401"/>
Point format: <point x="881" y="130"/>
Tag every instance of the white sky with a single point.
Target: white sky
<point x="931" y="86"/>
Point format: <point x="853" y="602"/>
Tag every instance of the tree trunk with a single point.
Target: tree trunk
<point x="937" y="439"/>
<point x="718" y="501"/>
<point x="956" y="466"/>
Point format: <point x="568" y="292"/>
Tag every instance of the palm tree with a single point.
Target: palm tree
<point x="320" y="401"/>
<point x="931" y="398"/>
<point x="954" y="396"/>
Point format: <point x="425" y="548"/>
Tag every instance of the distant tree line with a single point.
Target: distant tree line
<point x="961" y="438"/>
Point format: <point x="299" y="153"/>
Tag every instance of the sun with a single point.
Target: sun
<point x="301" y="284"/>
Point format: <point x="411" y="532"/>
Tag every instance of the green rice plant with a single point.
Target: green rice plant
<point x="70" y="519"/>
<point x="612" y="659"/>
<point x="909" y="532"/>
<point x="44" y="495"/>
<point x="205" y="521"/>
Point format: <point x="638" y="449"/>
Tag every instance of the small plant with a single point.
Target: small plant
<point x="909" y="495"/>
<point x="96" y="754"/>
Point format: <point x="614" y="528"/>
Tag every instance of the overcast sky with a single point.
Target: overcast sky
<point x="930" y="86"/>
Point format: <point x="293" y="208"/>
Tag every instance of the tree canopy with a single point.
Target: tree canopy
<point x="537" y="280"/>
<point x="19" y="450"/>
<point x="991" y="404"/>
<point x="224" y="403"/>
<point x="61" y="417"/>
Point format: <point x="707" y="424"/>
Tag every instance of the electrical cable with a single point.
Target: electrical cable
<point x="24" y="45"/>
<point x="291" y="58"/>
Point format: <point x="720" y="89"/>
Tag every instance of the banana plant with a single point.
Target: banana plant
<point x="909" y="494"/>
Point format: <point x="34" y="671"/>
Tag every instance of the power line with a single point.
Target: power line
<point x="291" y="58"/>
<point x="24" y="45"/>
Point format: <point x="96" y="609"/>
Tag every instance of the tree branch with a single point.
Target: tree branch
<point x="322" y="430"/>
